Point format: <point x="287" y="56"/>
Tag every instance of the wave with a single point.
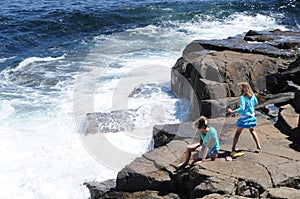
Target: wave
<point x="35" y="72"/>
<point x="39" y="91"/>
<point x="23" y="28"/>
<point x="32" y="60"/>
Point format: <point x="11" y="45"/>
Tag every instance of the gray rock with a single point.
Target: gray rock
<point x="220" y="184"/>
<point x="278" y="82"/>
<point x="151" y="170"/>
<point x="112" y="122"/>
<point x="211" y="70"/>
<point x="283" y="193"/>
<point x="99" y="189"/>
<point x="218" y="108"/>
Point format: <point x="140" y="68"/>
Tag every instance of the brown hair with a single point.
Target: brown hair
<point x="245" y="89"/>
<point x="201" y="123"/>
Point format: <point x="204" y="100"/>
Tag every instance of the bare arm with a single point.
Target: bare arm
<point x="206" y="148"/>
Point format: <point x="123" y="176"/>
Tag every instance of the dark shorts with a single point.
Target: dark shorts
<point x="212" y="152"/>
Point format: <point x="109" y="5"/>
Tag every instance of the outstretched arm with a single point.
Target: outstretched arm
<point x="240" y="109"/>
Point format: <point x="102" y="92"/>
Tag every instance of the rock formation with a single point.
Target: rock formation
<point x="272" y="172"/>
<point x="207" y="75"/>
<point x="208" y="72"/>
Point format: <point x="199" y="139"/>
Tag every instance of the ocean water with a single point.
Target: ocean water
<point x="60" y="60"/>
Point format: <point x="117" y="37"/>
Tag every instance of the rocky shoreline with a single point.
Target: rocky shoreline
<point x="207" y="75"/>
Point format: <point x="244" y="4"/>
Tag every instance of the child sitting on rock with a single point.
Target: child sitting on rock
<point x="208" y="146"/>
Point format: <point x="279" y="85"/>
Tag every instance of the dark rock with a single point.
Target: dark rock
<point x="164" y="134"/>
<point x="270" y="103"/>
<point x="218" y="196"/>
<point x="277" y="38"/>
<point x="296" y="101"/>
<point x="141" y="195"/>
<point x="99" y="189"/>
<point x="278" y="82"/>
<point x="218" y="108"/>
<point x="211" y="89"/>
<point x="220" y="184"/>
<point x="150" y="171"/>
<point x="288" y="123"/>
<point x="277" y="99"/>
<point x="295" y="64"/>
<point x="273" y="49"/>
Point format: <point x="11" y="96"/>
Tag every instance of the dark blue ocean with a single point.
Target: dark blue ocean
<point x="60" y="60"/>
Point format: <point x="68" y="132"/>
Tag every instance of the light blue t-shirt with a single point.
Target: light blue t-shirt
<point x="211" y="134"/>
<point x="247" y="106"/>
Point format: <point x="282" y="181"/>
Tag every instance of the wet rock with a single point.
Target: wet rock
<point x="277" y="38"/>
<point x="112" y="122"/>
<point x="100" y="189"/>
<point x="267" y="43"/>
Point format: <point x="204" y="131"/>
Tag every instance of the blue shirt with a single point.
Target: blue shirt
<point x="247" y="106"/>
<point x="211" y="134"/>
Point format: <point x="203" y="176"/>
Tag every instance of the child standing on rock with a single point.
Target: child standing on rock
<point x="208" y="146"/>
<point x="247" y="114"/>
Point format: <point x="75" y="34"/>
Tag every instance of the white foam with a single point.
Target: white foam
<point x="44" y="157"/>
<point x="6" y="109"/>
<point x="220" y="29"/>
<point x="5" y="59"/>
<point x="31" y="60"/>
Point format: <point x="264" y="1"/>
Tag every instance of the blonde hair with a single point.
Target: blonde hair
<point x="201" y="123"/>
<point x="246" y="90"/>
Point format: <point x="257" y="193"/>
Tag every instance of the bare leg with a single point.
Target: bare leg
<point x="255" y="137"/>
<point x="190" y="148"/>
<point x="236" y="137"/>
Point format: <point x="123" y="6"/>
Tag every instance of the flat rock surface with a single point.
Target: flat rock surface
<point x="251" y="175"/>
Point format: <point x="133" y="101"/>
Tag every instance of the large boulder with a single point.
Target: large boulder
<point x="279" y="82"/>
<point x="288" y="123"/>
<point x="211" y="69"/>
<point x="150" y="171"/>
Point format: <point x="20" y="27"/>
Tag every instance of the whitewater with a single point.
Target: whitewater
<point x="43" y="152"/>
